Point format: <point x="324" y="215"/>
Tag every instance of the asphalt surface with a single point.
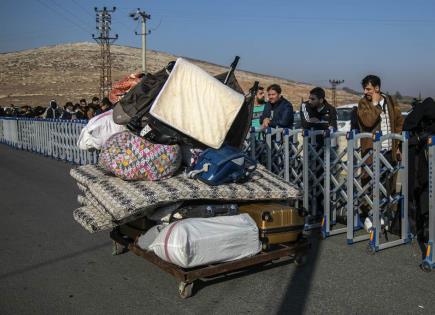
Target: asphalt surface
<point x="51" y="265"/>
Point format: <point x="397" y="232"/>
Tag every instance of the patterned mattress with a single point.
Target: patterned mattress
<point x="108" y="201"/>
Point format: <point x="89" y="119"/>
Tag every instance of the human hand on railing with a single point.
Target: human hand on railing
<point x="398" y="155"/>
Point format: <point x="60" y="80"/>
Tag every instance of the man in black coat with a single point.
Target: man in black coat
<point x="53" y="111"/>
<point x="420" y="123"/>
<point x="317" y="113"/>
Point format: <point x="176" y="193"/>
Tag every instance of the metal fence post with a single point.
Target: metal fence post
<point x="286" y="155"/>
<point x="269" y="148"/>
<point x="375" y="230"/>
<point x="305" y="171"/>
<point x="429" y="262"/>
<point x="326" y="221"/>
<point x="350" y="177"/>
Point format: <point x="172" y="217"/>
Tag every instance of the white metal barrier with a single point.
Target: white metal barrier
<point x="330" y="171"/>
<point x="51" y="137"/>
<point x="385" y="197"/>
<point x="338" y="177"/>
<point x="335" y="183"/>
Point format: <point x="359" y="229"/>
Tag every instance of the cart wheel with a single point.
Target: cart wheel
<point x="118" y="249"/>
<point x="426" y="267"/>
<point x="185" y="289"/>
<point x="300" y="260"/>
<point x="264" y="244"/>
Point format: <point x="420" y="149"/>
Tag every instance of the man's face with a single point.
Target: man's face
<point x="369" y="90"/>
<point x="82" y="104"/>
<point x="260" y="96"/>
<point x="273" y="96"/>
<point x="315" y="101"/>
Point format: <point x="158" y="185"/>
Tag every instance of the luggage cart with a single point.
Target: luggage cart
<point x="188" y="277"/>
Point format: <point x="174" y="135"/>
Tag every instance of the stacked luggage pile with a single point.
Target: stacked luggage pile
<point x="173" y="183"/>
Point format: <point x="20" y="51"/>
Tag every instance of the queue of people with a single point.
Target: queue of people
<point x="376" y="111"/>
<point x="81" y="110"/>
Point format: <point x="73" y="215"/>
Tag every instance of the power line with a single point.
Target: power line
<point x="65" y="16"/>
<point x="305" y="19"/>
<point x="71" y="13"/>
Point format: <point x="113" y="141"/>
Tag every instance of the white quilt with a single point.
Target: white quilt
<point x="197" y="104"/>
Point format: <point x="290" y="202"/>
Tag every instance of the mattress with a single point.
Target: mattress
<point x="108" y="198"/>
<point x="197" y="104"/>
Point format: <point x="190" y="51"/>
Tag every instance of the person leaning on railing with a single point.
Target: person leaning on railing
<point x="379" y="112"/>
<point x="318" y="114"/>
<point x="278" y="112"/>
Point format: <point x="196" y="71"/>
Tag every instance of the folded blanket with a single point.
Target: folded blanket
<point x="93" y="220"/>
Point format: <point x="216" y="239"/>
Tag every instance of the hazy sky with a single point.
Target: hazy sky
<point x="309" y="41"/>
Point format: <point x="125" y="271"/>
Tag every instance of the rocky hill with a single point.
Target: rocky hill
<point x="71" y="71"/>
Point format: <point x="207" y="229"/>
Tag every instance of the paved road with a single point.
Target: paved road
<point x="50" y="265"/>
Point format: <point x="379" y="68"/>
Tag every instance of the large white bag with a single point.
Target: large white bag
<point x="201" y="241"/>
<point x="98" y="130"/>
<point x="197" y="104"/>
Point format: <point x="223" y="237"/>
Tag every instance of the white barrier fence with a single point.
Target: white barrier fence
<point x="51" y="137"/>
<point x="337" y="180"/>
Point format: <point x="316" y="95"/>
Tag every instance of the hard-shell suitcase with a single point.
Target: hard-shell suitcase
<point x="276" y="223"/>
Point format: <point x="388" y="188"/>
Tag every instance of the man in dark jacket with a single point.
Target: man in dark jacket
<point x="278" y="112"/>
<point x="420" y="123"/>
<point x="317" y="113"/>
<point x="53" y="111"/>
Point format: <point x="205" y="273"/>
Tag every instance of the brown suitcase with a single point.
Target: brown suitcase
<point x="277" y="223"/>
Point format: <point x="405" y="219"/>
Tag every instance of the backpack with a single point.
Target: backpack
<point x="134" y="105"/>
<point x="222" y="166"/>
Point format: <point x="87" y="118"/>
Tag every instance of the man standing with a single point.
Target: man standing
<point x="278" y="112"/>
<point x="379" y="112"/>
<point x="317" y="113"/>
<point x="258" y="107"/>
<point x="105" y="105"/>
<point x="53" y="111"/>
<point x="95" y="104"/>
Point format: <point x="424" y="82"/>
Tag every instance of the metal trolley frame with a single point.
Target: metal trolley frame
<point x="295" y="252"/>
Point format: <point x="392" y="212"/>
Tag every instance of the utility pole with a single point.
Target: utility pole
<point x="144" y="17"/>
<point x="334" y="84"/>
<point x="104" y="20"/>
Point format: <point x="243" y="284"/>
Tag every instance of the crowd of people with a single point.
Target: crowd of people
<point x="70" y="111"/>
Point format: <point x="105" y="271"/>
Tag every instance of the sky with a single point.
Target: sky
<point x="306" y="41"/>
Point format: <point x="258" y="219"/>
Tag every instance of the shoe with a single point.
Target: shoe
<point x="368" y="224"/>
